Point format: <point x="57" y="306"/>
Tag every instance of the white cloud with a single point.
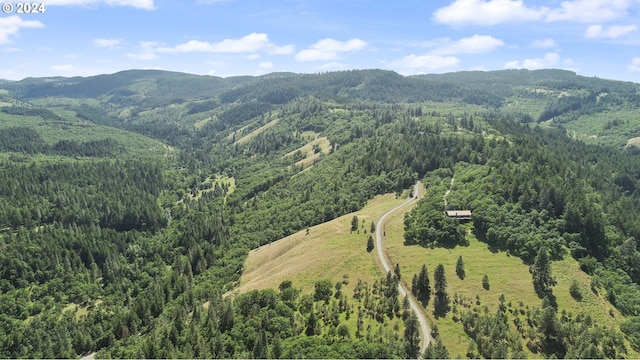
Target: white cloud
<point x="106" y="43"/>
<point x="253" y="57"/>
<point x="252" y="43"/>
<point x="10" y="26"/>
<point x="549" y="60"/>
<point x="329" y="49"/>
<point x="140" y="4"/>
<point x="492" y="12"/>
<point x="471" y="45"/>
<point x="613" y="32"/>
<point x="415" y="64"/>
<point x="265" y="65"/>
<point x="544" y="44"/>
<point x="589" y="10"/>
<point x="634" y="65"/>
<point x="189" y="46"/>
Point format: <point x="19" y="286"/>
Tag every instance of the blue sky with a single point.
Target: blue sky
<point x="252" y="37"/>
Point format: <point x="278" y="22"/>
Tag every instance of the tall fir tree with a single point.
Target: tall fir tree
<point x="412" y="336"/>
<point x="460" y="268"/>
<point x="541" y="273"/>
<point x="441" y="299"/>
<point x="421" y="287"/>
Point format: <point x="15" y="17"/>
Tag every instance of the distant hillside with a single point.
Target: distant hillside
<point x="158" y="83"/>
<point x="593" y="109"/>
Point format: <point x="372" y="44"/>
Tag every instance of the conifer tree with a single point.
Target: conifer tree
<point x="436" y="350"/>
<point x="276" y="349"/>
<point x="485" y="282"/>
<point x="441" y="300"/>
<point x="541" y="273"/>
<point x="412" y="336"/>
<point x="420" y="286"/>
<point x="460" y="268"/>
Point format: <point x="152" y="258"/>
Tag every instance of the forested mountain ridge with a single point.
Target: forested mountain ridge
<point x="146" y="189"/>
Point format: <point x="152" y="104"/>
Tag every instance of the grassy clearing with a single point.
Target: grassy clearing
<point x="79" y="311"/>
<point x="328" y="251"/>
<point x="592" y="128"/>
<point x="309" y="135"/>
<point x="238" y="132"/>
<point x="213" y="180"/>
<point x="534" y="106"/>
<point x="309" y="151"/>
<point x="201" y="123"/>
<point x="257" y="131"/>
<point x="593" y="304"/>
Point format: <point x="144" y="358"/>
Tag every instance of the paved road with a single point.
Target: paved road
<point x="415" y="306"/>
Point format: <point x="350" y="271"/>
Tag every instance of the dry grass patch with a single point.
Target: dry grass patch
<point x="257" y="131"/>
<point x="78" y="310"/>
<point x="593" y="304"/>
<point x="311" y="151"/>
<point x="329" y="251"/>
<point x="238" y="132"/>
<point x="633" y="142"/>
<point x="199" y="124"/>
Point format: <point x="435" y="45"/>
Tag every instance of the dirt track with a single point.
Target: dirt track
<point x="415" y="306"/>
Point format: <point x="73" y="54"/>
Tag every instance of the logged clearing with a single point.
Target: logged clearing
<point x="238" y="132"/>
<point x="633" y="142"/>
<point x="208" y="185"/>
<point x="309" y="151"/>
<point x="201" y="123"/>
<point x="329" y="251"/>
<point x="255" y="132"/>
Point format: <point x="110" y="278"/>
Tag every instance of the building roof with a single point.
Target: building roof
<point x="458" y="213"/>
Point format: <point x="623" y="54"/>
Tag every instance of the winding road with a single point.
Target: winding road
<point x="415" y="306"/>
